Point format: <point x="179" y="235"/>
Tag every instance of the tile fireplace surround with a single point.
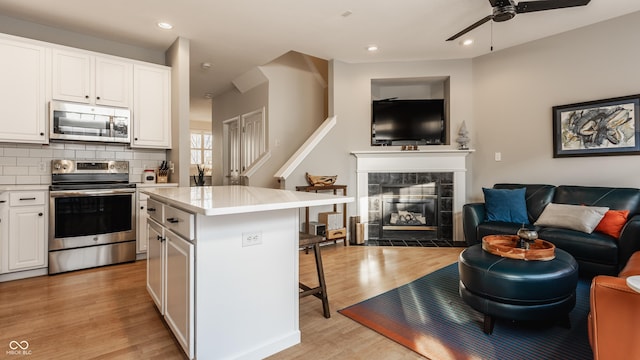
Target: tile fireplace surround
<point x="444" y="168"/>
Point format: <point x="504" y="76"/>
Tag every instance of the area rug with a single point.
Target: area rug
<point x="429" y="317"/>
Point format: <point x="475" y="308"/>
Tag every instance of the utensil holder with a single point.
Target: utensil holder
<point x="163" y="176"/>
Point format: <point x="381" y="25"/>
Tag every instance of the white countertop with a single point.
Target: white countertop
<point x="149" y="185"/>
<point x="24" y="187"/>
<point x="224" y="200"/>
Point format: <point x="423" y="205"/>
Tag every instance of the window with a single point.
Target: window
<point x="201" y="151"/>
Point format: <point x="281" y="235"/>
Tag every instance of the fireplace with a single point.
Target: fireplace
<point x="398" y="174"/>
<point x="410" y="207"/>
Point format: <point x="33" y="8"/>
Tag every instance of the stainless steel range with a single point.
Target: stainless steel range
<point x="92" y="217"/>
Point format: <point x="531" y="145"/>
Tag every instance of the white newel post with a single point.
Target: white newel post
<point x="395" y="161"/>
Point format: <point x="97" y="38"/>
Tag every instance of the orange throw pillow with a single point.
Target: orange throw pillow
<point x="612" y="222"/>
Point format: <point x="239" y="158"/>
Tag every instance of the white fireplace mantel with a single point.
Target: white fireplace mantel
<point x="397" y="161"/>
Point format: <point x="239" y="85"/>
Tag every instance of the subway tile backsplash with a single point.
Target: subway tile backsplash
<point x="25" y="164"/>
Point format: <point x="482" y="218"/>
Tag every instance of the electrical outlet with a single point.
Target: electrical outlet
<point x="251" y="238"/>
<point x="498" y="156"/>
<point x="42" y="166"/>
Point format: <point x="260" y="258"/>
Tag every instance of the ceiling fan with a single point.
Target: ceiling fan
<point x="504" y="10"/>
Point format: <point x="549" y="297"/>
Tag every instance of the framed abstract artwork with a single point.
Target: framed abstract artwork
<point x="597" y="128"/>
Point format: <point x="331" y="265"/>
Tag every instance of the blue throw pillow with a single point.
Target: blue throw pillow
<point x="506" y="205"/>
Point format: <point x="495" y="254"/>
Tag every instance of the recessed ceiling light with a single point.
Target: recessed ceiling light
<point x="208" y="95"/>
<point x="466" y="42"/>
<point x="165" y="25"/>
<point x="372" y="48"/>
<point x="205" y="65"/>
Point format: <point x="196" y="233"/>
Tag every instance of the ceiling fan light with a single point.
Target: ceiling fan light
<point x="466" y="42"/>
<point x="372" y="48"/>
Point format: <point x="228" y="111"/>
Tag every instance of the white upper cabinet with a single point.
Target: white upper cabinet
<point x="151" y="107"/>
<point x="23" y="92"/>
<point x="85" y="78"/>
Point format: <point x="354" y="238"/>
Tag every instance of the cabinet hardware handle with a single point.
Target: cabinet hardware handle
<point x="97" y="97"/>
<point x="141" y="207"/>
<point x="158" y="237"/>
<point x="31" y="198"/>
<point x="3" y="201"/>
<point x="151" y="209"/>
<point x="41" y="134"/>
<point x="40" y="214"/>
<point x="86" y="96"/>
<point x="173" y="220"/>
<point x="136" y="139"/>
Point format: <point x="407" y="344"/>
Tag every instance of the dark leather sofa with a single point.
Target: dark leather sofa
<point x="596" y="253"/>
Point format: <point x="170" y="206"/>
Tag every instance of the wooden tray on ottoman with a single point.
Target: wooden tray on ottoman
<point x="508" y="246"/>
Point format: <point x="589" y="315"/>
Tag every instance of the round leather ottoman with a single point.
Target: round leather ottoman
<point x="517" y="289"/>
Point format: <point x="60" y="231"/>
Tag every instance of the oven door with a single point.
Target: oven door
<point x="91" y="217"/>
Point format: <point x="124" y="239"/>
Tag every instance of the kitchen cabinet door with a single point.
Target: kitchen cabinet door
<point x="4" y="232"/>
<point x="27" y="238"/>
<point x="142" y="238"/>
<point x="23" y="92"/>
<point x="179" y="312"/>
<point x="85" y="78"/>
<point x="73" y="76"/>
<point x="151" y="107"/>
<point x="114" y="83"/>
<point x="156" y="263"/>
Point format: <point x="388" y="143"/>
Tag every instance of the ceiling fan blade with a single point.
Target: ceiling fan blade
<point x="531" y="6"/>
<point x="469" y="28"/>
<point x="495" y="3"/>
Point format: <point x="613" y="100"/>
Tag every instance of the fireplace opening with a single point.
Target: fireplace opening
<point x="409" y="212"/>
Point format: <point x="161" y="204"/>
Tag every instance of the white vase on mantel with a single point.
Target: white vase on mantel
<point x="463" y="139"/>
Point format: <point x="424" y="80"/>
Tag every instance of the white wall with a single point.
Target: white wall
<point x="515" y="89"/>
<point x="229" y="105"/>
<point x="178" y="58"/>
<point x="295" y="102"/>
<point x="35" y="31"/>
<point x="350" y="100"/>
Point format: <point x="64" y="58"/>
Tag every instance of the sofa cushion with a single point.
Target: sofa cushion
<point x="594" y="247"/>
<point x="574" y="217"/>
<point x="537" y="196"/>
<point x="505" y="205"/>
<point x="613" y="222"/>
<point x="613" y="198"/>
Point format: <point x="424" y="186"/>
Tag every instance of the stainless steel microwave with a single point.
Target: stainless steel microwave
<point x="70" y="121"/>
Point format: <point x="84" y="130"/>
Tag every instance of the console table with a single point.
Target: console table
<point x="334" y="234"/>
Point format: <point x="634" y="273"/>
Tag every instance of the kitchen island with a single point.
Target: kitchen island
<point x="223" y="267"/>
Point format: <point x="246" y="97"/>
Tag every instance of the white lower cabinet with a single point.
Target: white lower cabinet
<point x="155" y="263"/>
<point x="141" y="227"/>
<point x="23" y="231"/>
<point x="178" y="310"/>
<point x="170" y="273"/>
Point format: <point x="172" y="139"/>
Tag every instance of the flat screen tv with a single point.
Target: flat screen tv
<point x="408" y="122"/>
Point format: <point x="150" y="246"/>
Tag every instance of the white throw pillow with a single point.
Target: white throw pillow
<point x="574" y="217"/>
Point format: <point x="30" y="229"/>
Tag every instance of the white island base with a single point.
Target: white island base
<point x="223" y="267"/>
<point x="246" y="297"/>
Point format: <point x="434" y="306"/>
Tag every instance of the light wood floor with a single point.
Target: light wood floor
<point x="106" y="313"/>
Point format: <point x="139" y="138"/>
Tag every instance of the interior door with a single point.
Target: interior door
<point x="244" y="143"/>
<point x="231" y="163"/>
<point x="253" y="137"/>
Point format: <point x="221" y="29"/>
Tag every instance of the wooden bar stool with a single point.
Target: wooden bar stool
<point x="320" y="291"/>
